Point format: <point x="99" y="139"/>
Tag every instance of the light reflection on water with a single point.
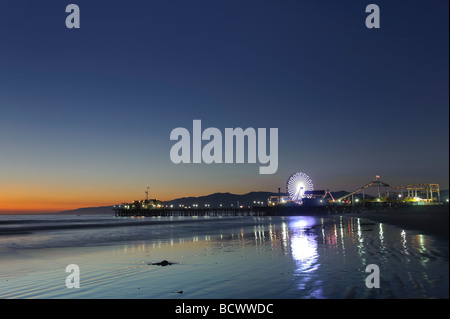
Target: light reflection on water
<point x="330" y="256"/>
<point x="303" y="246"/>
<point x="278" y="257"/>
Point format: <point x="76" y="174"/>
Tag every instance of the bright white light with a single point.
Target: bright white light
<point x="303" y="246"/>
<point x="303" y="249"/>
<point x="297" y="185"/>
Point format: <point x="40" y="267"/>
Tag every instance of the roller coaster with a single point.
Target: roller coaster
<point x="412" y="192"/>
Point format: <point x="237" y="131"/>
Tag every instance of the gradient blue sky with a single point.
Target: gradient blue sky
<point x="86" y="114"/>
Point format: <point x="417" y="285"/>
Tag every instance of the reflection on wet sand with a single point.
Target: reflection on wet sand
<point x="329" y="255"/>
<point x="261" y="257"/>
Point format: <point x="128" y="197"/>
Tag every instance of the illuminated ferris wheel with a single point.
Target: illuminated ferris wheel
<point x="297" y="185"/>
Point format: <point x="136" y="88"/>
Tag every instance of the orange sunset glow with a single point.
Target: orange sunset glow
<point x="47" y="198"/>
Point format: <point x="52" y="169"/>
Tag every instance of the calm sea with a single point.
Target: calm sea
<point x="213" y="257"/>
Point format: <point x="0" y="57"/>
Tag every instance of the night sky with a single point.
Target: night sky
<point x="86" y="114"/>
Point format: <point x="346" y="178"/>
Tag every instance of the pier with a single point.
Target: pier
<point x="302" y="201"/>
<point x="248" y="211"/>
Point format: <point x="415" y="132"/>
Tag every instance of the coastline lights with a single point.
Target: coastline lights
<point x="297" y="184"/>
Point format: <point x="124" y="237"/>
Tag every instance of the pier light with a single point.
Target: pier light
<point x="356" y="200"/>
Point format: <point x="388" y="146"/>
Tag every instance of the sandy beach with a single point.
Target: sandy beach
<point x="431" y="220"/>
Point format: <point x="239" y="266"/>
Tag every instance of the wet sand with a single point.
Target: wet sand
<point x="431" y="220"/>
<point x="295" y="257"/>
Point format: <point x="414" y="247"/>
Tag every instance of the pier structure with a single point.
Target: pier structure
<point x="429" y="189"/>
<point x="313" y="202"/>
<point x="278" y="210"/>
<point x="164" y="211"/>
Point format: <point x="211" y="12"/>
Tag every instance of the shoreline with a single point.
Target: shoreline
<point x="431" y="220"/>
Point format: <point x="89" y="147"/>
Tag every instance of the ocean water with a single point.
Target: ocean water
<point x="217" y="257"/>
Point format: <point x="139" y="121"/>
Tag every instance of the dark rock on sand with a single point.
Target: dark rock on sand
<point x="163" y="263"/>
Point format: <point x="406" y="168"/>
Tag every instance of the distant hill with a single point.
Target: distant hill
<point x="228" y="199"/>
<point x="89" y="210"/>
<point x="224" y="199"/>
